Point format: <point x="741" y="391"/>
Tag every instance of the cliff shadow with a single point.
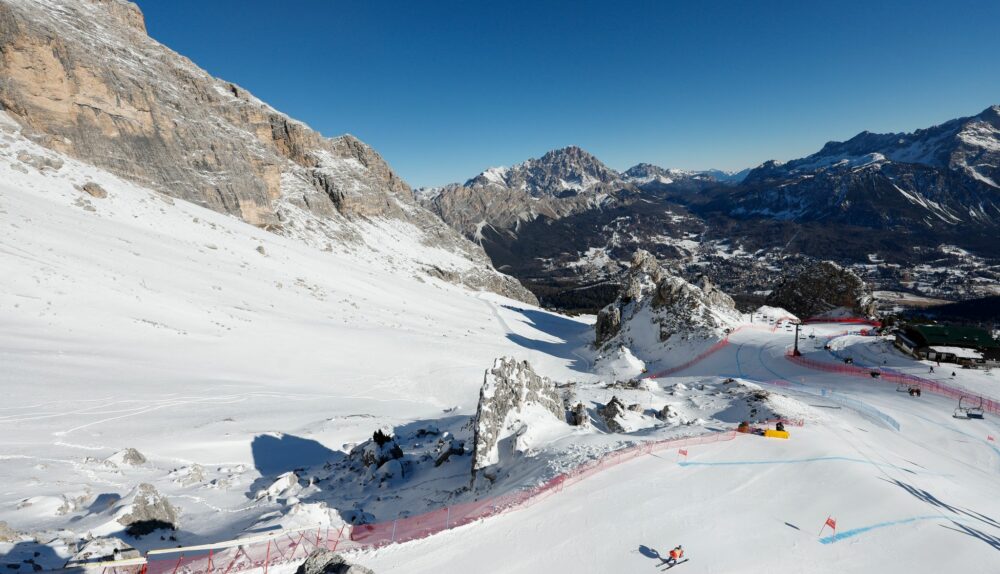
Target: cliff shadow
<point x="570" y="335"/>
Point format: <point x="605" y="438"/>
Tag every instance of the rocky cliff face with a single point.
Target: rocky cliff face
<point x="512" y="398"/>
<point x="84" y="79"/>
<point x="824" y="288"/>
<point x="655" y="306"/>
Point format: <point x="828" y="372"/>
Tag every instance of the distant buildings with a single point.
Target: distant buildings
<point x="967" y="346"/>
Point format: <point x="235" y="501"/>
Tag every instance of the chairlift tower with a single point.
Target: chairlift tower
<point x="795" y="351"/>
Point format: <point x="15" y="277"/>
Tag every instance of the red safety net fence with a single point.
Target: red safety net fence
<point x="291" y="546"/>
<point x="698" y="358"/>
<point x="894" y="377"/>
<point x="241" y="555"/>
<point x="716" y="348"/>
<point x="419" y="526"/>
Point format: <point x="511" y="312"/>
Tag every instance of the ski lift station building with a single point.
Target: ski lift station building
<point x="969" y="346"/>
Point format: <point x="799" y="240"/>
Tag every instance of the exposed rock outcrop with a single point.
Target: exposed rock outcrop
<point x="127" y="457"/>
<point x="824" y="288"/>
<point x="82" y="78"/>
<point x="328" y="562"/>
<point x="654" y="306"/>
<point x="447" y="448"/>
<point x="664" y="413"/>
<point x="94" y="190"/>
<point x="613" y="413"/>
<point x="8" y="534"/>
<point x="380" y="450"/>
<point x="511" y="398"/>
<point x="579" y="417"/>
<point x="149" y="511"/>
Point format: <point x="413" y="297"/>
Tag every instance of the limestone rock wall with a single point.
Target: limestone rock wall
<point x="509" y="389"/>
<point x="82" y="77"/>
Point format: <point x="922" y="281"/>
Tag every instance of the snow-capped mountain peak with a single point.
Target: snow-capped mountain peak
<point x="567" y="169"/>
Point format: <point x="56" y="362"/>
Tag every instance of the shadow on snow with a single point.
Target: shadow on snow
<point x="568" y="332"/>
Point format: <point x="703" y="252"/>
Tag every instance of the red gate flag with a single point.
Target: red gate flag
<point x="682" y="452"/>
<point x="990" y="437"/>
<point x="832" y="523"/>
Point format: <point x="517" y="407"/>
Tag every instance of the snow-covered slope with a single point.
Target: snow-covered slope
<point x="919" y="499"/>
<point x="224" y="354"/>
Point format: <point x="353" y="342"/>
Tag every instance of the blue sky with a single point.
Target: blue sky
<point x="444" y="89"/>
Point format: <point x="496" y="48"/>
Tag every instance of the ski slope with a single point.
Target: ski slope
<point x="921" y="499"/>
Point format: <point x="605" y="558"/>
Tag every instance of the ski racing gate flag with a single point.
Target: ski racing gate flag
<point x="832" y="523"/>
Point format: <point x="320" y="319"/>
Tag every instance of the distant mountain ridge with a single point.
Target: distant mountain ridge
<point x="565" y="223"/>
<point x="931" y="178"/>
<point x="560" y="183"/>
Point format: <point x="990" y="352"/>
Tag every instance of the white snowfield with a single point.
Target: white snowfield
<point x="135" y="321"/>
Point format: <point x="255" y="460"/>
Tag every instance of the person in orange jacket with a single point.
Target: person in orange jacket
<point x="675" y="555"/>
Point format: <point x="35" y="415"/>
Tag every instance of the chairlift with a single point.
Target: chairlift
<point x="968" y="408"/>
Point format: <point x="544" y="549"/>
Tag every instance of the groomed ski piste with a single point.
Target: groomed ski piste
<point x="136" y="321"/>
<point x="919" y="499"/>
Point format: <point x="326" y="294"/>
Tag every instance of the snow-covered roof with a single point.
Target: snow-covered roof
<point x="960" y="352"/>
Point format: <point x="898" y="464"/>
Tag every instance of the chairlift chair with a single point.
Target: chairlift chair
<point x="969" y="409"/>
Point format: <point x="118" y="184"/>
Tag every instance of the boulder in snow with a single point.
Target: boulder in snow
<point x="447" y="448"/>
<point x="94" y="190"/>
<point x="664" y="413"/>
<point x="381" y="448"/>
<point x="149" y="511"/>
<point x="613" y="414"/>
<point x="127" y="457"/>
<point x="324" y="561"/>
<point x="281" y="486"/>
<point x="579" y="417"/>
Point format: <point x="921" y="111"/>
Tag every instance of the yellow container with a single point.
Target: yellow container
<point x="776" y="433"/>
